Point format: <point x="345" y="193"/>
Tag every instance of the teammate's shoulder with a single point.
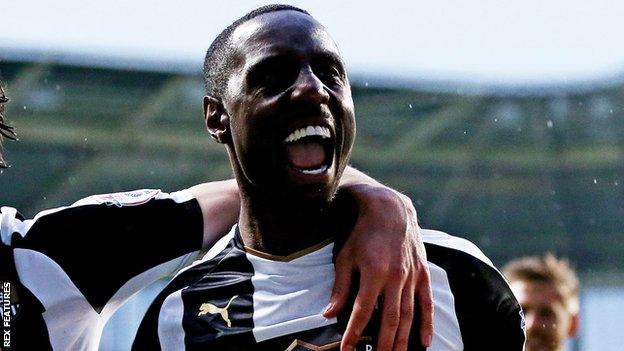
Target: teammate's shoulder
<point x="454" y="243"/>
<point x="9" y="220"/>
<point x="85" y="209"/>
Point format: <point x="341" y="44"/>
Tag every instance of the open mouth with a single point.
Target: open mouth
<point x="310" y="149"/>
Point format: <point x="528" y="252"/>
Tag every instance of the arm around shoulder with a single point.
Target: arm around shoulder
<point x="220" y="205"/>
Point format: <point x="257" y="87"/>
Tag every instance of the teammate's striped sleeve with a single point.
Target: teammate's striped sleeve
<point x="77" y="264"/>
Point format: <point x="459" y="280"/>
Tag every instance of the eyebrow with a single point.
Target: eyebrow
<point x="323" y="55"/>
<point x="267" y="60"/>
<point x="333" y="58"/>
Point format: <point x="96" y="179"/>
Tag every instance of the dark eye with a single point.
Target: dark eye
<point x="273" y="76"/>
<point x="328" y="74"/>
<point x="546" y="313"/>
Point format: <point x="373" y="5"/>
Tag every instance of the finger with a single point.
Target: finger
<point x="425" y="300"/>
<point x="401" y="339"/>
<point x="362" y="310"/>
<point x="340" y="291"/>
<point x="391" y="317"/>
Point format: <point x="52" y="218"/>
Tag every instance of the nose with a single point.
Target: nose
<point x="309" y="88"/>
<point x="529" y="319"/>
<point x="534" y="321"/>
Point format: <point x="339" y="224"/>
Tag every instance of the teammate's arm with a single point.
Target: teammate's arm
<point x="220" y="204"/>
<point x="385" y="247"/>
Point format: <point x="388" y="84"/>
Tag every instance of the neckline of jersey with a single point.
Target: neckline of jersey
<point x="267" y="256"/>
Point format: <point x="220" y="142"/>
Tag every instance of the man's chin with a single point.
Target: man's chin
<point x="298" y="177"/>
<point x="540" y="344"/>
<point x="321" y="188"/>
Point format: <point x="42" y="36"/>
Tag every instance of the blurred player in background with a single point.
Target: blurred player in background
<point x="548" y="290"/>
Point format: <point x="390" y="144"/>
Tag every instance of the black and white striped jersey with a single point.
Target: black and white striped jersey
<point x="77" y="264"/>
<point x="239" y="299"/>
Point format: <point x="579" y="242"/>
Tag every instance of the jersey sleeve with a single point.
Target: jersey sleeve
<point x="485" y="309"/>
<point x="104" y="247"/>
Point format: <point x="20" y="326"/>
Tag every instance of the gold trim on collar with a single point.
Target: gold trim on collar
<point x="292" y="256"/>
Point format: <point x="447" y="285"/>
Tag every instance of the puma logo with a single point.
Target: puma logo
<point x="212" y="309"/>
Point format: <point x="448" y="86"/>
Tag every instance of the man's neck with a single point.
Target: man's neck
<point x="282" y="228"/>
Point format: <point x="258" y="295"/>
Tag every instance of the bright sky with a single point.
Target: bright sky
<point x="496" y="41"/>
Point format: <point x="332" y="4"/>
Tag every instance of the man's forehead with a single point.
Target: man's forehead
<point x="536" y="290"/>
<point x="282" y="29"/>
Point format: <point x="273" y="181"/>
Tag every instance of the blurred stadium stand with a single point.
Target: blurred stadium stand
<point x="517" y="173"/>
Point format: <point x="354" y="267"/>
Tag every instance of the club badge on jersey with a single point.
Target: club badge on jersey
<point x="128" y="198"/>
<point x="365" y="344"/>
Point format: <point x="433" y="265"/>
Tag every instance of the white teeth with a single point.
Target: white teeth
<point x="319" y="170"/>
<point x="308" y="131"/>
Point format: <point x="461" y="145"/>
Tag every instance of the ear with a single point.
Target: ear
<point x="574" y="325"/>
<point x="217" y="120"/>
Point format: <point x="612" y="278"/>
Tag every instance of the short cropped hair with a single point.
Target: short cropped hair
<point x="547" y="269"/>
<point x="218" y="59"/>
<point x="5" y="130"/>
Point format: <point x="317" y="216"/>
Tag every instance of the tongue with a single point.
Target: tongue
<point x="306" y="155"/>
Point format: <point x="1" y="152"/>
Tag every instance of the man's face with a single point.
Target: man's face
<point x="290" y="109"/>
<point x="549" y="323"/>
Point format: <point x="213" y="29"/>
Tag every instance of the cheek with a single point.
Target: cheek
<point x="256" y="154"/>
<point x="251" y="145"/>
<point x="254" y="128"/>
<point x="349" y="130"/>
<point x="563" y="324"/>
<point x="352" y="126"/>
<point x="346" y="120"/>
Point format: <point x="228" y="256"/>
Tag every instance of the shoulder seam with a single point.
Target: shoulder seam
<point x="439" y="238"/>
